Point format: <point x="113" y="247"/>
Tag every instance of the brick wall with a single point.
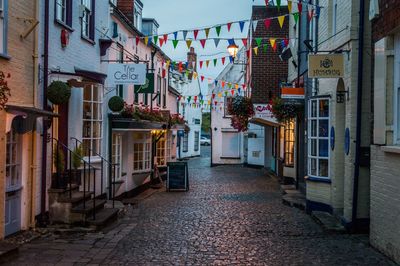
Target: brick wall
<point x="268" y="71"/>
<point x="388" y="20"/>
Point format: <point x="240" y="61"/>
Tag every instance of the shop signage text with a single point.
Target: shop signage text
<point x="325" y="66"/>
<point x="126" y="74"/>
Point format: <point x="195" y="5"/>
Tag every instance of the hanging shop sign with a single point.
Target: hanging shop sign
<point x="262" y="111"/>
<point x="325" y="66"/>
<point x="126" y="74"/>
<point x="148" y="86"/>
<point x="292" y="93"/>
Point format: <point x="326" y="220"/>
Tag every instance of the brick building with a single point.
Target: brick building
<point x="385" y="151"/>
<point x="265" y="73"/>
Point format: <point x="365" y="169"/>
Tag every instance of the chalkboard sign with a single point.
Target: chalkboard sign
<point x="177" y="176"/>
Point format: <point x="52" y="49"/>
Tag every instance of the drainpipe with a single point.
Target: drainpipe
<point x="359" y="111"/>
<point x="44" y="135"/>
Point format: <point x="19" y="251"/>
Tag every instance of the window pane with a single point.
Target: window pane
<point x="323" y="128"/>
<point x="313" y="167"/>
<point x="324" y="108"/>
<point x="323" y="168"/>
<point x="313" y="147"/>
<point x="313" y="128"/>
<point x="323" y="147"/>
<point x="313" y="108"/>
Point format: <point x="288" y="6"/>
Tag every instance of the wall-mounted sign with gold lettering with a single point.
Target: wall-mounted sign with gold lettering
<point x="325" y="66"/>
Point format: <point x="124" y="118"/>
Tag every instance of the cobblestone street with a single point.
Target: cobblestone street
<point x="231" y="215"/>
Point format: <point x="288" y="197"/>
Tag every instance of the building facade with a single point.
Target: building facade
<point x="385" y="149"/>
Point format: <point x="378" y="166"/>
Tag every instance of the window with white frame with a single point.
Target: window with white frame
<point x="141" y="152"/>
<point x="13" y="178"/>
<point x="196" y="140"/>
<point x="138" y="16"/>
<point x="161" y="151"/>
<point x="88" y="19"/>
<point x="63" y="12"/>
<point x="92" y="119"/>
<point x="117" y="154"/>
<point x="289" y="142"/>
<point x="185" y="147"/>
<point x="3" y="26"/>
<point x="318" y="138"/>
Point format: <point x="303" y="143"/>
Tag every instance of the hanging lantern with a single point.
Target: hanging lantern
<point x="233" y="50"/>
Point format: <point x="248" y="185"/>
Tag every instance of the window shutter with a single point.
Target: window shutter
<point x="69" y="12"/>
<point x="92" y="25"/>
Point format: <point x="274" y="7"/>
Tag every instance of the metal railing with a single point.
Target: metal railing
<point x="111" y="170"/>
<point x="62" y="156"/>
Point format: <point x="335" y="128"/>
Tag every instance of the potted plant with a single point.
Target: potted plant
<point x="116" y="104"/>
<point x="241" y="109"/>
<point x="76" y="161"/>
<point x="59" y="178"/>
<point x="58" y="92"/>
<point x="284" y="111"/>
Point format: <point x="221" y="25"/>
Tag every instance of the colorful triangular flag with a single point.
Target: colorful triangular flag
<point x="244" y="42"/>
<point x="258" y="41"/>
<point x="218" y="30"/>
<point x="215" y="61"/>
<point x="296" y="17"/>
<point x="195" y="33"/>
<point x="175" y="35"/>
<point x="175" y="43"/>
<point x="185" y="32"/>
<point x="281" y="20"/>
<point x="203" y="42"/>
<point x="146" y="40"/>
<point x="267" y="23"/>
<point x="289" y="6"/>
<point x="207" y="31"/>
<point x="137" y="40"/>
<point x="155" y="39"/>
<point x="241" y="25"/>
<point x="207" y="63"/>
<point x="165" y="37"/>
<point x="255" y="49"/>
<point x="188" y="43"/>
<point x="223" y="60"/>
<point x="216" y="41"/>
<point x="229" y="25"/>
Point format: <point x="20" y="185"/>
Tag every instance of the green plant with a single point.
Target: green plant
<point x="59" y="159"/>
<point x="77" y="155"/>
<point x="241" y="109"/>
<point x="116" y="104"/>
<point x="284" y="111"/>
<point x="58" y="92"/>
<point x="4" y="90"/>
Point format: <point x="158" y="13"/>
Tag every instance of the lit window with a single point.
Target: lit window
<point x="117" y="154"/>
<point x="185" y="142"/>
<point x="3" y="26"/>
<point x="196" y="140"/>
<point x="289" y="130"/>
<point x="161" y="151"/>
<point x="92" y="119"/>
<point x="13" y="180"/>
<point x="318" y="138"/>
<point x="141" y="152"/>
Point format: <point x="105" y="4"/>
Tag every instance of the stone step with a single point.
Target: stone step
<point x="328" y="221"/>
<point x="295" y="199"/>
<point x="103" y="217"/>
<point x="99" y="204"/>
<point x="76" y="197"/>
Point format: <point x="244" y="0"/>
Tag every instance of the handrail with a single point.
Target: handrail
<point x="86" y="164"/>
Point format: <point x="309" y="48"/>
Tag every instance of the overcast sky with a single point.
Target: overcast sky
<point x="175" y="15"/>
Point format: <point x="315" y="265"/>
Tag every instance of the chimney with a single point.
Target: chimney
<point x="192" y="59"/>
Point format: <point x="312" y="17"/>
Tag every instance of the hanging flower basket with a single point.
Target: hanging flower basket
<point x="58" y="92"/>
<point x="116" y="104"/>
<point x="284" y="111"/>
<point x="241" y="109"/>
<point x="4" y="90"/>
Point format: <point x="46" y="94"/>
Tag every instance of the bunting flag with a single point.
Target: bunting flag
<point x="281" y="20"/>
<point x="255" y="49"/>
<point x="310" y="14"/>
<point x="236" y="86"/>
<point x="278" y="4"/>
<point x="202" y="78"/>
<point x="223" y="84"/>
<point x="267" y="23"/>
<point x="201" y="64"/>
<point x="299" y="7"/>
<point x="216" y="42"/>
<point x="220" y="94"/>
<point x="195" y="75"/>
<point x="215" y="61"/>
<point x="203" y="42"/>
<point x="185" y="32"/>
<point x="207" y="31"/>
<point x="254" y="25"/>
<point x="188" y="43"/>
<point x="165" y="37"/>
<point x="229" y="25"/>
<point x="155" y="39"/>
<point x="213" y="95"/>
<point x="218" y="30"/>
<point x="296" y="17"/>
<point x="175" y="43"/>
<point x="223" y="60"/>
<point x="266" y="3"/>
<point x="231" y="59"/>
<point x="289" y="6"/>
<point x="286" y="41"/>
<point x="161" y="42"/>
<point x="265" y="47"/>
<point x="258" y="41"/>
<point x="215" y="83"/>
<point x="175" y="35"/>
<point x="195" y="33"/>
<point x="273" y="44"/>
<point x="244" y="42"/>
<point x="207" y="63"/>
<point x="180" y="67"/>
<point x="146" y="40"/>
<point x="233" y="92"/>
<point x="241" y="24"/>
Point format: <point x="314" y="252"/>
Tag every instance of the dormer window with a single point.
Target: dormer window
<point x="137" y="16"/>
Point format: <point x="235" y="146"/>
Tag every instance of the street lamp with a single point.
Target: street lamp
<point x="233" y="50"/>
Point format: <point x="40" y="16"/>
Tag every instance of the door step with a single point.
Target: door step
<point x="103" y="217"/>
<point x="99" y="204"/>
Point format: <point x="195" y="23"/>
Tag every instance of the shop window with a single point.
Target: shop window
<point x="13" y="179"/>
<point x="185" y="147"/>
<point x="318" y="138"/>
<point x="196" y="141"/>
<point x="161" y="151"/>
<point x="63" y="12"/>
<point x="92" y="119"/>
<point x="3" y="26"/>
<point x="141" y="152"/>
<point x="117" y="154"/>
<point x="289" y="137"/>
<point x="88" y="16"/>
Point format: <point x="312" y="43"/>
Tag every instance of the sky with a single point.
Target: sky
<point x="175" y="15"/>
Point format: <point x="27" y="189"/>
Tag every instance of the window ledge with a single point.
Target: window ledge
<point x="92" y="42"/>
<point x="318" y="179"/>
<point x="64" y="25"/>
<point x="5" y="56"/>
<point x="232" y="158"/>
<point x="391" y="149"/>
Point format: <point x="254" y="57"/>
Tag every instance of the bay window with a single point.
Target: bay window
<point x="318" y="138"/>
<point x="289" y="142"/>
<point x="141" y="152"/>
<point x="92" y="119"/>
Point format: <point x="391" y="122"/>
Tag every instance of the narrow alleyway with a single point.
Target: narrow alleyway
<point x="231" y="215"/>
